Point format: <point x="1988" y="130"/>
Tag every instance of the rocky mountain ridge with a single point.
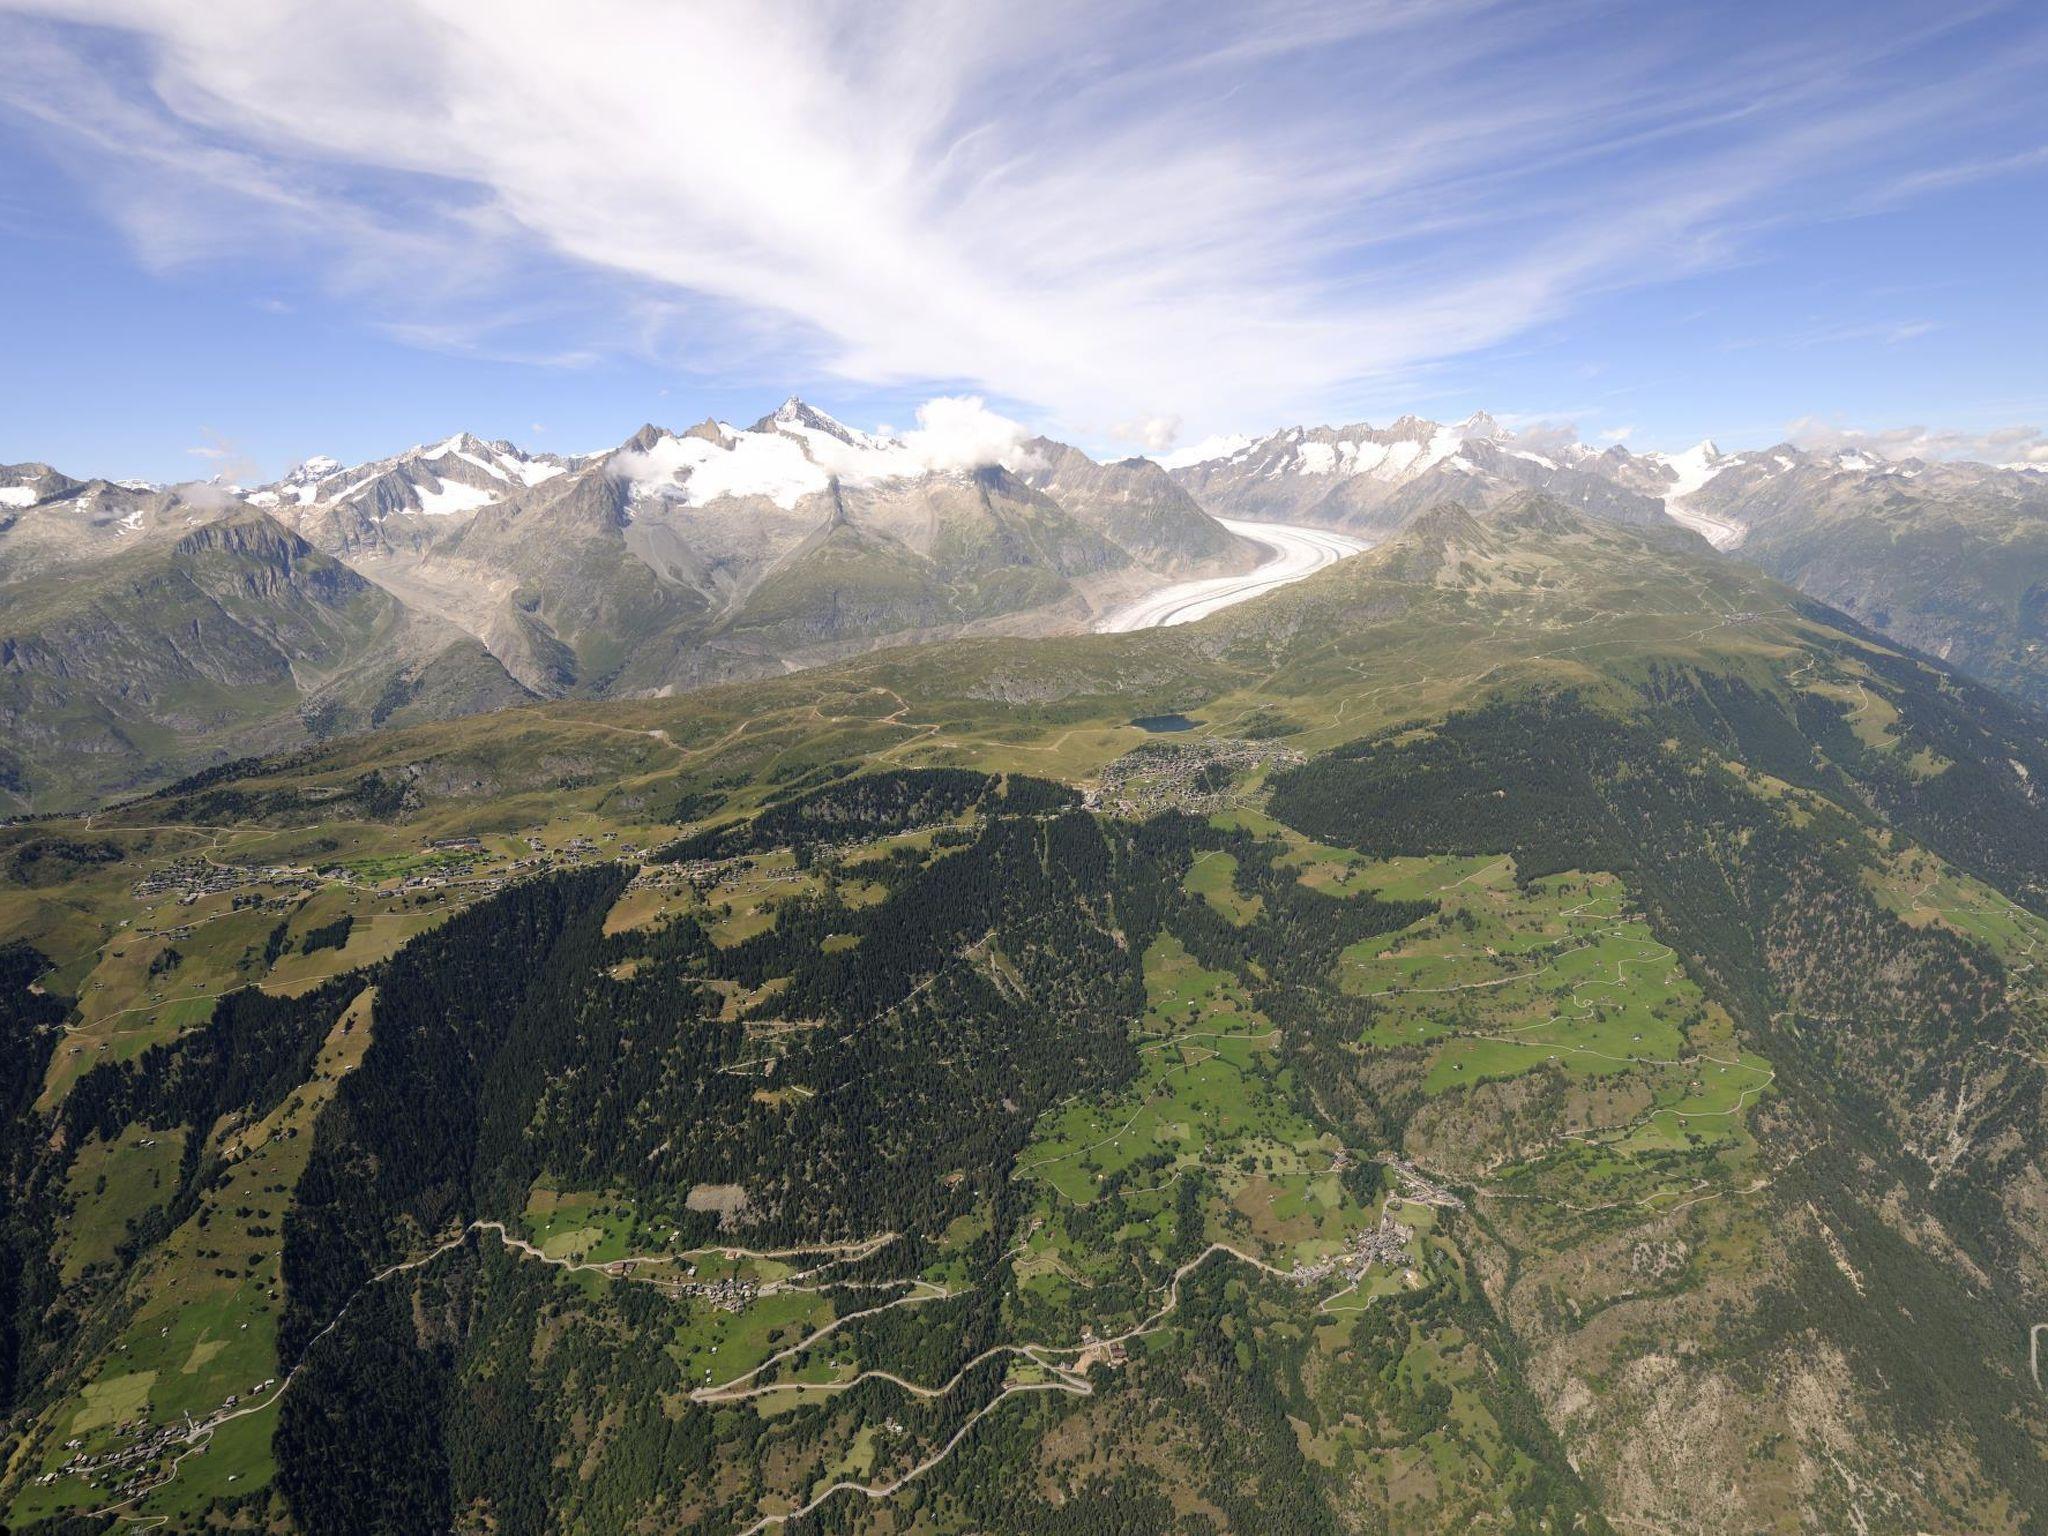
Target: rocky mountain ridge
<point x="1950" y="557"/>
<point x="1375" y="478"/>
<point x="721" y="552"/>
<point x="676" y="560"/>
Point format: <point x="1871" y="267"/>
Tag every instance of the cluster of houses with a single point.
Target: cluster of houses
<point x="1193" y="775"/>
<point x="732" y="1293"/>
<point x="576" y="851"/>
<point x="1096" y="1351"/>
<point x="706" y="875"/>
<point x="1385" y="1244"/>
<point x="571" y="853"/>
<point x="1419" y="1187"/>
<point x="123" y="1468"/>
<point x="188" y="879"/>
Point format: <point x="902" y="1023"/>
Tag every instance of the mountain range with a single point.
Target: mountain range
<point x="146" y="631"/>
<point x="684" y="558"/>
<point x="145" y="628"/>
<point x="1949" y="557"/>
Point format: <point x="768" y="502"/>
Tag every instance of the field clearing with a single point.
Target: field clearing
<point x="1559" y="978"/>
<point x="1069" y="752"/>
<point x="745" y="906"/>
<point x="1346" y="872"/>
<point x="1873" y="717"/>
<point x="1211" y="877"/>
<point x="1923" y="889"/>
<point x="1213" y="1103"/>
<point x="123" y="1010"/>
<point x="237" y="1460"/>
<point x="112" y="1184"/>
<point x="649" y="907"/>
<point x="370" y="940"/>
<point x="712" y="1345"/>
<point x="587" y="1225"/>
<point x="113" y="1400"/>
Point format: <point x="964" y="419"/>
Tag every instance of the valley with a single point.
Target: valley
<point x="465" y="575"/>
<point x="1549" y="981"/>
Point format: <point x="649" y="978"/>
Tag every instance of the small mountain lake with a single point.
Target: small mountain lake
<point x="1157" y="723"/>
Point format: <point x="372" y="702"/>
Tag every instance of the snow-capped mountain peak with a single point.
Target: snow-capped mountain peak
<point x="797" y="451"/>
<point x="500" y="460"/>
<point x="1392" y="454"/>
<point x="1373" y="478"/>
<point x="312" y="471"/>
<point x="1693" y="468"/>
<point x="458" y="475"/>
<point x="809" y="423"/>
<point x="793" y="412"/>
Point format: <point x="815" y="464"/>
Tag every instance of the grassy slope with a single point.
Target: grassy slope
<point x="236" y="636"/>
<point x="1405" y="633"/>
<point x="1615" y="1129"/>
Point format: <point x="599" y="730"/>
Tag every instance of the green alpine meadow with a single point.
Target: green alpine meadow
<point x="1562" y="1021"/>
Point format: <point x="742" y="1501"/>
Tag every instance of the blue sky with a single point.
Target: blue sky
<point x="237" y="234"/>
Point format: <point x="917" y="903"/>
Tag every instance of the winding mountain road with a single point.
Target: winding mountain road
<point x="1297" y="552"/>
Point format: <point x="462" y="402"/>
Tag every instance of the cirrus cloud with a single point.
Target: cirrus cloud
<point x="1119" y="214"/>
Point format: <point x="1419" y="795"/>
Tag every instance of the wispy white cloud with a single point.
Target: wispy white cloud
<point x="2017" y="445"/>
<point x="1888" y="333"/>
<point x="1153" y="433"/>
<point x="1131" y="220"/>
<point x="206" y="495"/>
<point x="1962" y="173"/>
<point x="961" y="432"/>
<point x="224" y="460"/>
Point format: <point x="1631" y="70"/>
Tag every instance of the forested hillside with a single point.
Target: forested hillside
<point x="1535" y="1029"/>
